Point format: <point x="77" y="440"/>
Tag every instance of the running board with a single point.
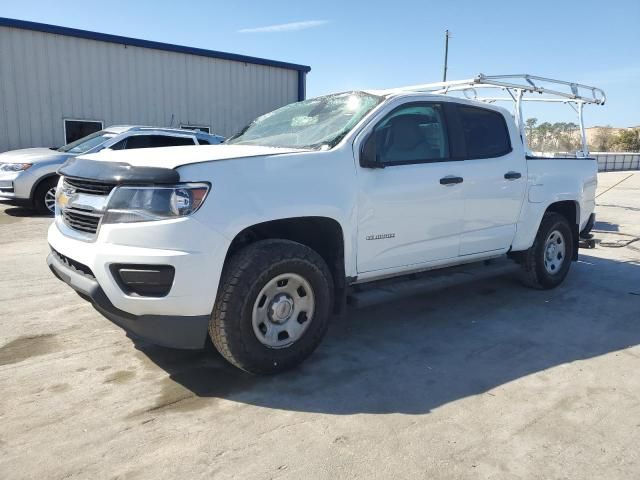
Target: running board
<point x="381" y="291"/>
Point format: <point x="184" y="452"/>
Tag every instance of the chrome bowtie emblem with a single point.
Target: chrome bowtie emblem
<point x="64" y="196"/>
<point x="68" y="190"/>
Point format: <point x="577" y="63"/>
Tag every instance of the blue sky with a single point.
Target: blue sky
<point x="368" y="44"/>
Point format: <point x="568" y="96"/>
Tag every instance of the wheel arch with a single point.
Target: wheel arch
<point x="569" y="209"/>
<point x="37" y="184"/>
<point x="324" y="235"/>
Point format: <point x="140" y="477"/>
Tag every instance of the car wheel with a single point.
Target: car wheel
<point x="273" y="306"/>
<point x="546" y="264"/>
<point x="45" y="196"/>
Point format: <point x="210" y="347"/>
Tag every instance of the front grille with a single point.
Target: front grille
<point x="72" y="264"/>
<point x="92" y="187"/>
<point x="81" y="220"/>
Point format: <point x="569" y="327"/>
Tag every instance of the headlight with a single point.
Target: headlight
<point x="14" y="167"/>
<point x="145" y="204"/>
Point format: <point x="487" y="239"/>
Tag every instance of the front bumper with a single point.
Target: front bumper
<point x="7" y="185"/>
<point x="179" y="319"/>
<point x="18" y="186"/>
<point x="168" y="330"/>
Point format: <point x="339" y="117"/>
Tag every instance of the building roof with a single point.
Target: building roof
<point x="137" y="42"/>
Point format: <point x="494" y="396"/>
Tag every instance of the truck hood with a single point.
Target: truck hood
<point x="33" y="155"/>
<point x="172" y="157"/>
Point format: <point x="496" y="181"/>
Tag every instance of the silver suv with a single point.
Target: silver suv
<point x="28" y="177"/>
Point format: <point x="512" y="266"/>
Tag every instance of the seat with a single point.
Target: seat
<point x="407" y="141"/>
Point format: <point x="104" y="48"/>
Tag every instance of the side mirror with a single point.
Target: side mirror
<point x="369" y="153"/>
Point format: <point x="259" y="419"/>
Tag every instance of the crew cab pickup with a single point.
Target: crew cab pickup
<point x="254" y="243"/>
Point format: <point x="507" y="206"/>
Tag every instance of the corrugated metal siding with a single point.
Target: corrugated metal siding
<point x="45" y="78"/>
<point x="615" y="161"/>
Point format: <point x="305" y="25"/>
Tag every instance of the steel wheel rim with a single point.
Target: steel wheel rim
<point x="554" y="252"/>
<point x="50" y="199"/>
<point x="283" y="310"/>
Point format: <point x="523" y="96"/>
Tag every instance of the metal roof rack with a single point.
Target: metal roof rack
<point x="520" y="88"/>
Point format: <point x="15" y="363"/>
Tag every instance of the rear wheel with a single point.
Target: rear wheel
<point x="273" y="306"/>
<point x="546" y="264"/>
<point x="45" y="196"/>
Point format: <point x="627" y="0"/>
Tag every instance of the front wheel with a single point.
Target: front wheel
<point x="546" y="264"/>
<point x="45" y="196"/>
<point x="273" y="306"/>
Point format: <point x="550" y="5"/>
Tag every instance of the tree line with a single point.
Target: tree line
<point x="565" y="137"/>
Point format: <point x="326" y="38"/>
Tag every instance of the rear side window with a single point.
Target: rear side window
<point x="485" y="132"/>
<point x="172" y="141"/>
<point x="155" y="141"/>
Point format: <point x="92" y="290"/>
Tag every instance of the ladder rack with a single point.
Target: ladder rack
<point x="520" y="88"/>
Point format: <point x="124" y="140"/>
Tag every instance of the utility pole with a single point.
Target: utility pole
<point x="447" y="34"/>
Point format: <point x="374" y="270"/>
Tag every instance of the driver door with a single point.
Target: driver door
<point x="410" y="205"/>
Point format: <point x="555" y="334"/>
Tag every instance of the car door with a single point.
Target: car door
<point x="410" y="203"/>
<point x="495" y="175"/>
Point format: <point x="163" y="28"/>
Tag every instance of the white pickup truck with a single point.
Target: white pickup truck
<point x="255" y="243"/>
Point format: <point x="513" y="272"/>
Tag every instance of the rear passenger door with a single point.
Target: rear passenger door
<point x="494" y="180"/>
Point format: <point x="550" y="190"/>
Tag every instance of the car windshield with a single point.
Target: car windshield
<point x="315" y="123"/>
<point x="87" y="143"/>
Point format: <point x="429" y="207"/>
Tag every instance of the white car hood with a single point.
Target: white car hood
<point x="172" y="157"/>
<point x="32" y="155"/>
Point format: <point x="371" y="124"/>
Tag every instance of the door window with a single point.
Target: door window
<point x="121" y="145"/>
<point x="155" y="141"/>
<point x="413" y="133"/>
<point x="485" y="132"/>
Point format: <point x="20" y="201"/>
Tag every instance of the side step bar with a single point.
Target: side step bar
<point x="381" y="291"/>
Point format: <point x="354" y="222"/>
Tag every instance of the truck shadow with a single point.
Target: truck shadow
<point x="416" y="352"/>
<point x="606" y="226"/>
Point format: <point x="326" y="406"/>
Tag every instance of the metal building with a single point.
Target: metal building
<point x="58" y="84"/>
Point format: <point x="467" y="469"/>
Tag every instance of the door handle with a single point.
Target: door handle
<point x="512" y="175"/>
<point x="450" y="180"/>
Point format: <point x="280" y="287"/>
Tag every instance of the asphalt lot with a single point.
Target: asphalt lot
<point x="481" y="379"/>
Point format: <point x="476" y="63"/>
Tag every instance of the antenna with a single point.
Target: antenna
<point x="447" y="35"/>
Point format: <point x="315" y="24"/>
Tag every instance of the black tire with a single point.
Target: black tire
<point x="534" y="272"/>
<point x="245" y="275"/>
<point x="40" y="199"/>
